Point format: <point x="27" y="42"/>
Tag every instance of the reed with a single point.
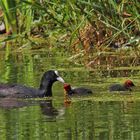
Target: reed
<point x="10" y="17"/>
<point x="64" y="22"/>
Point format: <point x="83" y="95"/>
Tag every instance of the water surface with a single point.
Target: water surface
<point x="101" y="116"/>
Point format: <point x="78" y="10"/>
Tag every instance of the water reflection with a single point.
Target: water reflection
<point x="48" y="109"/>
<point x="119" y="73"/>
<point x="46" y="106"/>
<point x="9" y="103"/>
<point x="86" y="120"/>
<point x="103" y="120"/>
<point x="110" y="60"/>
<point x="50" y="119"/>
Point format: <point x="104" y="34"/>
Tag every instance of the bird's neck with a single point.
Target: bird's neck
<point x="46" y="87"/>
<point x="70" y="91"/>
<point x="127" y="87"/>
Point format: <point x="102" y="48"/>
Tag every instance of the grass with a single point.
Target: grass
<point x="81" y="27"/>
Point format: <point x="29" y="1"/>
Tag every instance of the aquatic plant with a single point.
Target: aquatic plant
<point x="79" y="25"/>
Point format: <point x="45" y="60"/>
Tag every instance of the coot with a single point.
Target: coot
<point x="127" y="86"/>
<point x="76" y="91"/>
<point x="21" y="91"/>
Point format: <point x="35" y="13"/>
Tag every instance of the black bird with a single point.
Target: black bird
<point x="21" y="91"/>
<point x="76" y="91"/>
<point x="127" y="86"/>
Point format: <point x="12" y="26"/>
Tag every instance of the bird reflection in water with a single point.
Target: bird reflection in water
<point x="48" y="109"/>
<point x="9" y="103"/>
<point x="67" y="98"/>
<point x="46" y="106"/>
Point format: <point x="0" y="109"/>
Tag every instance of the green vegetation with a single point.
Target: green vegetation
<point x="58" y="20"/>
<point x="77" y="26"/>
<point x="67" y="35"/>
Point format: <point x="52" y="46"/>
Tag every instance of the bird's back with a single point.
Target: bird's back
<point x="18" y="91"/>
<point x="117" y="87"/>
<point x="82" y="91"/>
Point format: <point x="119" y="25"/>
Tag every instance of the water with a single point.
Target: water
<point x="101" y="116"/>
